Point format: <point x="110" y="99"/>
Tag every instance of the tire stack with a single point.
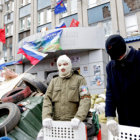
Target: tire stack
<point x="9" y="109"/>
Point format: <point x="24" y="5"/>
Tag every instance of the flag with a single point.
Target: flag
<point x="2" y="66"/>
<point x="61" y="25"/>
<point x="74" y="23"/>
<point x="60" y="7"/>
<point x="19" y="61"/>
<point x="35" y="50"/>
<point x="49" y="42"/>
<point x="2" y="35"/>
<point x="8" y="64"/>
<point x="32" y="55"/>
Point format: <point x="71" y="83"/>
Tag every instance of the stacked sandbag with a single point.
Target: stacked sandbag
<point x="98" y="105"/>
<point x="93" y="98"/>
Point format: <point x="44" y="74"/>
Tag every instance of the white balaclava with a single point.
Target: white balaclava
<point x="64" y="65"/>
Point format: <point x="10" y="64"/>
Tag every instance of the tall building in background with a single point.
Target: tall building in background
<point x="23" y="18"/>
<point x="26" y="17"/>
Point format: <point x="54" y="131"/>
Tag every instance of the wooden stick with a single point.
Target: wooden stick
<point x="5" y="131"/>
<point x="24" y="73"/>
<point x="29" y="68"/>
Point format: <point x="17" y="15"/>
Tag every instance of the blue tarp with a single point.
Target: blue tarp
<point x="5" y="138"/>
<point x="132" y="39"/>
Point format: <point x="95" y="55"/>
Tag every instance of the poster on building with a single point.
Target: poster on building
<point x="96" y="80"/>
<point x="84" y="70"/>
<point x="97" y="69"/>
<point x="75" y="59"/>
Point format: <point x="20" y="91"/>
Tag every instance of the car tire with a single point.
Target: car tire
<point x="51" y="76"/>
<point x="11" y="120"/>
<point x="34" y="83"/>
<point x="16" y="95"/>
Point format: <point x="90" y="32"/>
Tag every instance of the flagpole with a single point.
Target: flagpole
<point x="23" y="74"/>
<point x="29" y="68"/>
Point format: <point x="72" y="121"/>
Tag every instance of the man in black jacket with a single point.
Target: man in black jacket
<point x="123" y="82"/>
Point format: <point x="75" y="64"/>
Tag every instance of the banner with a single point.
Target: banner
<point x="48" y="43"/>
<point x="35" y="51"/>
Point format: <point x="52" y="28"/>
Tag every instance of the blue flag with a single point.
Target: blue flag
<point x="60" y="7"/>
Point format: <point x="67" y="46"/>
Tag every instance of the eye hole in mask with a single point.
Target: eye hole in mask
<point x="64" y="64"/>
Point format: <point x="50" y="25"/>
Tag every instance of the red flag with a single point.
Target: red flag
<point x="2" y="35"/>
<point x="74" y="23"/>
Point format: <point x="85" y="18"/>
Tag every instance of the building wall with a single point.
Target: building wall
<point x="91" y="65"/>
<point x="114" y="16"/>
<point x="136" y="45"/>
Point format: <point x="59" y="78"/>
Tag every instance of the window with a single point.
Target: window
<point x="10" y="47"/>
<point x="11" y="29"/>
<point x="7" y="30"/>
<point x="65" y="13"/>
<point x="5" y="54"/>
<point x="28" y="22"/>
<point x="106" y="12"/>
<point x="5" y="51"/>
<point x="49" y="15"/>
<point x="8" y="16"/>
<point x="24" y="34"/>
<point x="92" y="3"/>
<point x="132" y="4"/>
<point x="107" y="28"/>
<point x="29" y="1"/>
<point x="131" y="24"/>
<point x="7" y="6"/>
<point x="22" y="24"/>
<point x="73" y="6"/>
<point x="21" y="36"/>
<point x="41" y="18"/>
<point x="23" y="2"/>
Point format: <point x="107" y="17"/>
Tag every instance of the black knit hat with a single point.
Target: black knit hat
<point x="115" y="46"/>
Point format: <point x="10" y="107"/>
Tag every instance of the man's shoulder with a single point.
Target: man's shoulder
<point x="110" y="64"/>
<point x="56" y="78"/>
<point x="78" y="76"/>
<point x="138" y="53"/>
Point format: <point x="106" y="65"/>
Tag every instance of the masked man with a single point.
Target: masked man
<point x="123" y="79"/>
<point x="67" y="97"/>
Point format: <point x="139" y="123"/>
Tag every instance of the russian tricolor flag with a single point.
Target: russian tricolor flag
<point x="61" y="25"/>
<point x="32" y="55"/>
